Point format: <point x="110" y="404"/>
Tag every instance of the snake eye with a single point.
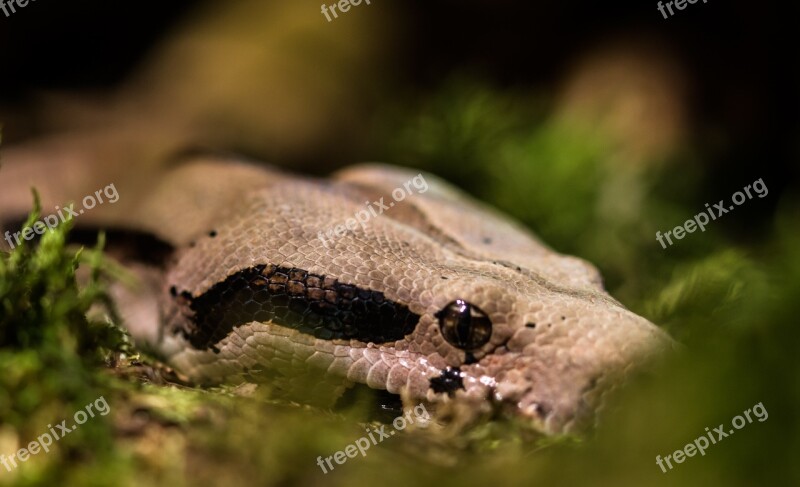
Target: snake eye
<point x="464" y="325"/>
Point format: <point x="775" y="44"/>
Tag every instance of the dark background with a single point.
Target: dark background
<point x="741" y="58"/>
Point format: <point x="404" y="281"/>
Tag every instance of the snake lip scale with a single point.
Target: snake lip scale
<point x="441" y="300"/>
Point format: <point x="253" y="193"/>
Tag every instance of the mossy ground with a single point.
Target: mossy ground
<point x="733" y="305"/>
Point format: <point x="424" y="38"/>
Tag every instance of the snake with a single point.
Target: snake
<point x="376" y="277"/>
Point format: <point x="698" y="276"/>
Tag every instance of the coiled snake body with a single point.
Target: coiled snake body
<point x="438" y="299"/>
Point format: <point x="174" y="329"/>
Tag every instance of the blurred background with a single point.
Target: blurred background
<point x="595" y="124"/>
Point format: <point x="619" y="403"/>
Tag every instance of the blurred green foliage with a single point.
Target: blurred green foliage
<point x="50" y="353"/>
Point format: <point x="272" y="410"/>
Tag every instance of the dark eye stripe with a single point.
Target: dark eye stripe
<point x="313" y="304"/>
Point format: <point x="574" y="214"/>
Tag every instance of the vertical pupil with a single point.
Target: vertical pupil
<point x="463" y="325"/>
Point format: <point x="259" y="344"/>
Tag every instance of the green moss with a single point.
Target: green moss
<point x="49" y="353"/>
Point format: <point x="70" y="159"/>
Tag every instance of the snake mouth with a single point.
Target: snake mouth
<point x="561" y="413"/>
<point x="559" y="391"/>
<point x="549" y="407"/>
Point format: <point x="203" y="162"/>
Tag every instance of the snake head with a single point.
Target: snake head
<point x="435" y="298"/>
<point x="504" y="320"/>
<point x="547" y="358"/>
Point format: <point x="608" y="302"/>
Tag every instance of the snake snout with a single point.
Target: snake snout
<point x="559" y="400"/>
<point x="558" y="377"/>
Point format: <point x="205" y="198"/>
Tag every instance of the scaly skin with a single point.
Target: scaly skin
<point x="558" y="342"/>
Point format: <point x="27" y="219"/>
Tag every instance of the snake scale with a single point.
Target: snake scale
<point x="439" y="299"/>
